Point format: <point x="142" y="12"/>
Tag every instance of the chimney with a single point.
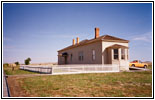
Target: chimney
<point x="97" y="32"/>
<point x="77" y="40"/>
<point x="73" y="41"/>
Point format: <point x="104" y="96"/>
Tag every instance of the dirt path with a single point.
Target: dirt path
<point x="15" y="86"/>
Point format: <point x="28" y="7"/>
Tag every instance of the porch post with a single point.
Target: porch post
<point x="112" y="54"/>
<point x="126" y="53"/>
<point x="119" y="53"/>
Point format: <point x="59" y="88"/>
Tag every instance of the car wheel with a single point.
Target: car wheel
<point x="133" y="66"/>
<point x="145" y="66"/>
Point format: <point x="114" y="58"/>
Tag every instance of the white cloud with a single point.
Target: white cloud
<point x="147" y="37"/>
<point x="140" y="38"/>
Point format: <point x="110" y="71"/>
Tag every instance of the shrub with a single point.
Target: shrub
<point x="17" y="63"/>
<point x="27" y="61"/>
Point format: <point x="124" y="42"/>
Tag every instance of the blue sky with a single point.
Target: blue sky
<point x="39" y="30"/>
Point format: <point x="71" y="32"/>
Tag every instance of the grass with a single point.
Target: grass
<point x="123" y="84"/>
<point x="8" y="71"/>
<point x="149" y="67"/>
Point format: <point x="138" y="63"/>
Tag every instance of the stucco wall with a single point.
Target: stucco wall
<point x="87" y="54"/>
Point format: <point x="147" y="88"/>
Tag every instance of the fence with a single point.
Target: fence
<point x="73" y="69"/>
<point x="39" y="69"/>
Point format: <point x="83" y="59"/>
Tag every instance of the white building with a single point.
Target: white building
<point x="104" y="49"/>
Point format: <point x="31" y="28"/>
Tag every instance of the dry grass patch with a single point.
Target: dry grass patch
<point x="8" y="71"/>
<point x="123" y="84"/>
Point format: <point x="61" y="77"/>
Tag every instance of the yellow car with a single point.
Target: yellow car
<point x="138" y="63"/>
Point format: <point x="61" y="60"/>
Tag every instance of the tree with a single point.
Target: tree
<point x="27" y="61"/>
<point x="17" y="63"/>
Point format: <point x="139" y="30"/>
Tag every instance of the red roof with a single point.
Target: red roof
<point x="101" y="38"/>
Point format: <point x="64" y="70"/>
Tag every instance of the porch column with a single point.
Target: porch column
<point x="126" y="54"/>
<point x="112" y="54"/>
<point x="119" y="53"/>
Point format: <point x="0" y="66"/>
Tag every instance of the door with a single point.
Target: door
<point x="65" y="59"/>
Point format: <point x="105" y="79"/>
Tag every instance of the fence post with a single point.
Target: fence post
<point x="40" y="69"/>
<point x="112" y="68"/>
<point x="118" y="69"/>
<point x="69" y="69"/>
<point x="95" y="67"/>
<point x="51" y="71"/>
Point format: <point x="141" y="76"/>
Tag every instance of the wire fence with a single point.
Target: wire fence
<point x="72" y="69"/>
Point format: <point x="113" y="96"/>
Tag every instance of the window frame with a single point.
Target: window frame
<point x="122" y="53"/>
<point x="71" y="57"/>
<point x="116" y="54"/>
<point x="81" y="56"/>
<point x="93" y="55"/>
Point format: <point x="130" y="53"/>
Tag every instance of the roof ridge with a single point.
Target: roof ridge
<point x="116" y="37"/>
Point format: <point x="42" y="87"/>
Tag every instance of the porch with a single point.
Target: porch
<point x="116" y="54"/>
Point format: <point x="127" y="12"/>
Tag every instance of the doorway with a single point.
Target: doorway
<point x="65" y="59"/>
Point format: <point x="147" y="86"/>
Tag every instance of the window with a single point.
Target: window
<point x="81" y="56"/>
<point x="122" y="53"/>
<point x="115" y="53"/>
<point x="71" y="57"/>
<point x="93" y="55"/>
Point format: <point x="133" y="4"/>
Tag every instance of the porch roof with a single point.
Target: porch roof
<point x="65" y="54"/>
<point x="118" y="46"/>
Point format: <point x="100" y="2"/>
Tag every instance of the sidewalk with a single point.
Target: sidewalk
<point x="5" y="89"/>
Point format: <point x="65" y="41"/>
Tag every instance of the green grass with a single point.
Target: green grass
<point x="123" y="84"/>
<point x="8" y="71"/>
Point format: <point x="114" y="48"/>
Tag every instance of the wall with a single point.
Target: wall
<point x="87" y="54"/>
<point x="107" y="56"/>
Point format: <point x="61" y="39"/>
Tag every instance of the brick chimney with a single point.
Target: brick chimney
<point x="97" y="32"/>
<point x="73" y="41"/>
<point x="77" y="40"/>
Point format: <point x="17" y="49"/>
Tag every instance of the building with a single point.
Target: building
<point x="104" y="49"/>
